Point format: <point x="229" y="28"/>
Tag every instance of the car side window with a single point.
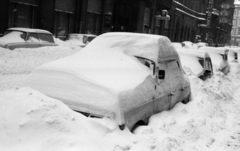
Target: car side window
<point x="201" y="61"/>
<point x="85" y="39"/>
<point x="33" y="37"/>
<point x="46" y="38"/>
<point x="173" y="65"/>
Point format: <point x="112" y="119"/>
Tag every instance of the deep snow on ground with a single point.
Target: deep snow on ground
<point x="31" y="121"/>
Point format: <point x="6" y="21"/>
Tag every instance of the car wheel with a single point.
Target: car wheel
<point x="139" y="123"/>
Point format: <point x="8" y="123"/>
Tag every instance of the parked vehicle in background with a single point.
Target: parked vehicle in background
<point x="26" y="38"/>
<point x="202" y="44"/>
<point x="80" y="39"/>
<point x="219" y="58"/>
<point x="189" y="44"/>
<point x="177" y="45"/>
<point x="124" y="76"/>
<point x="196" y="62"/>
<point x="233" y="54"/>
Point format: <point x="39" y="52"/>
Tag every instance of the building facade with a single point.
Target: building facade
<point x="189" y="20"/>
<point x="235" y="34"/>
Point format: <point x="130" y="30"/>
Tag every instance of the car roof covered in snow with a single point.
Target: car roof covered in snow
<point x="219" y="50"/>
<point x="78" y="34"/>
<point x="30" y="30"/>
<point x="193" y="52"/>
<point x="153" y="47"/>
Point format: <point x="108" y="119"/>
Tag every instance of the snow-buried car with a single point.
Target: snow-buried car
<point x="196" y="62"/>
<point x="219" y="57"/>
<point x="124" y="76"/>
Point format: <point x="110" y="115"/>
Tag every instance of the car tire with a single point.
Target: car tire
<point x="139" y="123"/>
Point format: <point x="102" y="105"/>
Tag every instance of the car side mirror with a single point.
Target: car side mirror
<point x="161" y="74"/>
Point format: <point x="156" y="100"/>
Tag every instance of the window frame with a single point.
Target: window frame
<point x="43" y="41"/>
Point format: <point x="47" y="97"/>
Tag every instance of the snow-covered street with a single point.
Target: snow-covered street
<point x="31" y="121"/>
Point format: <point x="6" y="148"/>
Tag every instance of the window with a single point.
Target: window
<point x="64" y="24"/>
<point x="93" y="23"/>
<point x="173" y="65"/>
<point x="21" y="15"/>
<point x="238" y="30"/>
<point x="46" y="38"/>
<point x="201" y="61"/>
<point x="33" y="37"/>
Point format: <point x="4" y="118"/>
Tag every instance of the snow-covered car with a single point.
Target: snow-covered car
<point x="219" y="58"/>
<point x="80" y="39"/>
<point x="177" y="45"/>
<point x="26" y="38"/>
<point x="196" y="63"/>
<point x="124" y="76"/>
<point x="202" y="44"/>
<point x="189" y="44"/>
<point x="233" y="54"/>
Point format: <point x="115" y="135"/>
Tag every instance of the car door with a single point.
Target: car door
<point x="176" y="82"/>
<point x="32" y="40"/>
<point x="163" y="87"/>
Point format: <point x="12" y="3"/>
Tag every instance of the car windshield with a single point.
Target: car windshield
<point x="12" y="36"/>
<point x="87" y="39"/>
<point x="72" y="37"/>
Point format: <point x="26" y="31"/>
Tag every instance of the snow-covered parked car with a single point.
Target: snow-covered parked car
<point x="189" y="44"/>
<point x="124" y="76"/>
<point x="26" y="38"/>
<point x="219" y="58"/>
<point x="196" y="62"/>
<point x="177" y="45"/>
<point x="202" y="44"/>
<point x="80" y="39"/>
<point x="233" y="54"/>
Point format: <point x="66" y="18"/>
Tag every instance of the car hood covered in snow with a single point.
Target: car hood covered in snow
<point x="104" y="77"/>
